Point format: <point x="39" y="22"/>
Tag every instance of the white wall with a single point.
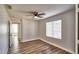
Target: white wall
<point x="3" y="30"/>
<point x="68" y="30"/>
<point x="30" y="29"/>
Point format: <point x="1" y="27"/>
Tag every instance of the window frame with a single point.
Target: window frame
<point x="52" y="31"/>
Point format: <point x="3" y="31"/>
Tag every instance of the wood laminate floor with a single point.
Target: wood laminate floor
<point x="38" y="47"/>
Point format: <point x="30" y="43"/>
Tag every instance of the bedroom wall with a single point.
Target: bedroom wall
<point x="30" y="30"/>
<point x="68" y="30"/>
<point x="3" y="30"/>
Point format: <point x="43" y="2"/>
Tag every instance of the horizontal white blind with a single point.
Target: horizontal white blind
<point x="54" y="29"/>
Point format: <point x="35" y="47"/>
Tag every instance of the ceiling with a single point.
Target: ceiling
<point x="48" y="9"/>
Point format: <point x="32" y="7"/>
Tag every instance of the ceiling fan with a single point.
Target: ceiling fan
<point x="35" y="14"/>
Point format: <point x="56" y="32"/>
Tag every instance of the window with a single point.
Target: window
<point x="53" y="29"/>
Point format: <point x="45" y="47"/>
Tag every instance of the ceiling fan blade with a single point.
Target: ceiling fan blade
<point x="42" y="14"/>
<point x="39" y="16"/>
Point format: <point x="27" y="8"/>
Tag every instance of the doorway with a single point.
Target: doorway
<point x="15" y="31"/>
<point x="15" y="37"/>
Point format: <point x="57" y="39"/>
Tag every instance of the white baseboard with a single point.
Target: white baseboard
<point x="57" y="46"/>
<point x="30" y="40"/>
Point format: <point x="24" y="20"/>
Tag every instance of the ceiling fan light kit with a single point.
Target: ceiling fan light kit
<point x="35" y="17"/>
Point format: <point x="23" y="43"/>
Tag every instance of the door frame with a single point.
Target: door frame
<point x="20" y="30"/>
